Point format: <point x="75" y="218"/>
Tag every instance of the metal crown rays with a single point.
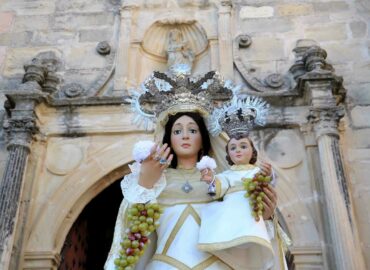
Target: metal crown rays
<point x="175" y="92"/>
<point x="239" y="117"/>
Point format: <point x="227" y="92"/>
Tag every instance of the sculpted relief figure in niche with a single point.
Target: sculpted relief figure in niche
<point x="179" y="53"/>
<point x="174" y="44"/>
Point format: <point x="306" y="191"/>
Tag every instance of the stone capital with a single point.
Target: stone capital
<point x="227" y="3"/>
<point x="20" y="125"/>
<point x="126" y="10"/>
<point x="225" y="7"/>
<point x="19" y="131"/>
<point x="325" y="120"/>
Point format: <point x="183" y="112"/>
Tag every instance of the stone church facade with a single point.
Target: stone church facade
<point x="66" y="70"/>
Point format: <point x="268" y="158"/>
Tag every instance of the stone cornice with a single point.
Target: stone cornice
<point x="89" y="101"/>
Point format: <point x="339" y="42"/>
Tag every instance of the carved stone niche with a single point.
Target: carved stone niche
<point x="156" y="39"/>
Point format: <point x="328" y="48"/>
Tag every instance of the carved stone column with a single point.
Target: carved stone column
<point x="225" y="40"/>
<point x="213" y="47"/>
<point x="323" y="90"/>
<point x="347" y="255"/>
<point x="20" y="127"/>
<point x="123" y="53"/>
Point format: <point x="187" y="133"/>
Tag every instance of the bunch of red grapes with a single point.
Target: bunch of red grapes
<point x="254" y="187"/>
<point x="142" y="221"/>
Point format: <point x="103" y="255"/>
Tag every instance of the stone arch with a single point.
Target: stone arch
<point x="67" y="202"/>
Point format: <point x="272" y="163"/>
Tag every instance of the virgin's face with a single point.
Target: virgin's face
<point x="186" y="139"/>
<point x="240" y="151"/>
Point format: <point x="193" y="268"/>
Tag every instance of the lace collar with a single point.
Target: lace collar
<point x="242" y="167"/>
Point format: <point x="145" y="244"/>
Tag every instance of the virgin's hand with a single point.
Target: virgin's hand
<point x="207" y="175"/>
<point x="269" y="201"/>
<point x="154" y="165"/>
<point x="265" y="168"/>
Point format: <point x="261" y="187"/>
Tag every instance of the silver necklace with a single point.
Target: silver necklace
<point x="186" y="187"/>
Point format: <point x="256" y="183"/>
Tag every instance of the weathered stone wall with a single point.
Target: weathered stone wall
<point x="342" y="29"/>
<point x="72" y="29"/>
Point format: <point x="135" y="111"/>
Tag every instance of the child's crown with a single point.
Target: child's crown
<point x="239" y="117"/>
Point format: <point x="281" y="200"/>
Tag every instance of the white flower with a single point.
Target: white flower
<point x="142" y="150"/>
<point x="206" y="162"/>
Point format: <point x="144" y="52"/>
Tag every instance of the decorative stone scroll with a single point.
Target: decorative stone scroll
<point x="273" y="84"/>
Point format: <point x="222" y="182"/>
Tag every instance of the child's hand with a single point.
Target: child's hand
<point x="207" y="175"/>
<point x="265" y="168"/>
<point x="269" y="202"/>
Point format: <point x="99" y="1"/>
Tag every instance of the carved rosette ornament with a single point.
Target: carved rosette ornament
<point x="244" y="41"/>
<point x="73" y="90"/>
<point x="274" y="80"/>
<point x="103" y="48"/>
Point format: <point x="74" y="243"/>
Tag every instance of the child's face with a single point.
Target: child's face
<point x="240" y="151"/>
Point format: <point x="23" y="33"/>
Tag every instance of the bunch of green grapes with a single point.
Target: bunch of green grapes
<point x="254" y="187"/>
<point x="142" y="221"/>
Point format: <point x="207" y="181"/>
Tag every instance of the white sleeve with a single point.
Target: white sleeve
<point x="117" y="237"/>
<point x="222" y="184"/>
<point x="134" y="193"/>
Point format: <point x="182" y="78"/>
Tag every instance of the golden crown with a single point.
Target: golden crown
<point x="163" y="94"/>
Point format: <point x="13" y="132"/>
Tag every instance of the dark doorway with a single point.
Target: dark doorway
<point x="88" y="242"/>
